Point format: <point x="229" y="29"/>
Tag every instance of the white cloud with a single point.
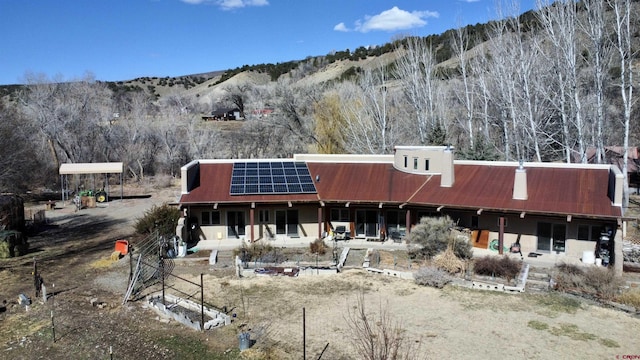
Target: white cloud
<point x="234" y="4"/>
<point x="391" y="20"/>
<point x="340" y="27"/>
<point x="229" y="4"/>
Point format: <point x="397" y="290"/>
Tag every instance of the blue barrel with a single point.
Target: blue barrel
<point x="245" y="340"/>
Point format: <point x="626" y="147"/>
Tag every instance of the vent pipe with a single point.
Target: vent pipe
<point x="520" y="183"/>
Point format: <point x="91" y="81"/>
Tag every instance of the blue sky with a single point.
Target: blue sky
<point x="124" y="39"/>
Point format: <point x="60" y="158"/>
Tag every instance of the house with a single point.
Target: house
<point x="223" y="114"/>
<point x="615" y="155"/>
<point x="561" y="210"/>
<point x="264" y="112"/>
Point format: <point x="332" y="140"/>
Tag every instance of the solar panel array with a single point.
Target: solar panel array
<point x="275" y="177"/>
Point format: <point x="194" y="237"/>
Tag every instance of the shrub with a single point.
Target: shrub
<point x="433" y="235"/>
<point x="162" y="219"/>
<point x="432" y="276"/>
<point x="594" y="281"/>
<point x="503" y="267"/>
<point x="318" y="247"/>
<point x="257" y="251"/>
<point x="571" y="269"/>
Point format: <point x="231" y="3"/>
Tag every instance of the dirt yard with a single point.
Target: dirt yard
<point x="73" y="252"/>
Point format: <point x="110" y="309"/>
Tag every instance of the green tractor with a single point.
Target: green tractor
<point x="100" y="195"/>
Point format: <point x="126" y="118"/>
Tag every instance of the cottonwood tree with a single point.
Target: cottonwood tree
<point x="135" y="143"/>
<point x="70" y="116"/>
<point x="598" y="59"/>
<point x="236" y="94"/>
<point x="559" y="22"/>
<point x="371" y="129"/>
<point x="460" y="46"/>
<point x="293" y="114"/>
<point x="624" y="32"/>
<point x="502" y="66"/>
<point x="415" y="69"/>
<point x="19" y="160"/>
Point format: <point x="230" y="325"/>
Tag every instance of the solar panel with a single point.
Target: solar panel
<point x="275" y="177"/>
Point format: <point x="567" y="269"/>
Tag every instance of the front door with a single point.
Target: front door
<point x="367" y="223"/>
<point x="235" y="224"/>
<point x="551" y="237"/>
<point x="287" y="222"/>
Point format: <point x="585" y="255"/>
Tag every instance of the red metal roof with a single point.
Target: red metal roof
<point x="551" y="190"/>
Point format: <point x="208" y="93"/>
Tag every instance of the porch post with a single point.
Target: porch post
<point x="251" y="221"/>
<point x="319" y="222"/>
<point x="501" y="236"/>
<point x="617" y="248"/>
<point x="407" y="222"/>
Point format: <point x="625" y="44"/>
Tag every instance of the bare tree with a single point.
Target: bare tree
<point x="624" y="32"/>
<point x="593" y="25"/>
<point x="70" y="116"/>
<point x="19" y="160"/>
<point x="415" y="69"/>
<point x="460" y="45"/>
<point x="378" y="336"/>
<point x="559" y="21"/>
<point x="371" y="129"/>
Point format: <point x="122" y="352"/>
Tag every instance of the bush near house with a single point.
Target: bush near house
<point x="595" y="282"/>
<point x="503" y="267"/>
<point x="432" y="276"/>
<point x="433" y="235"/>
<point x="162" y="219"/>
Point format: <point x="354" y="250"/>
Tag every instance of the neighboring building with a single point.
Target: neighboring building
<point x="264" y="112"/>
<point x="615" y="155"/>
<point x="556" y="209"/>
<point x="223" y="114"/>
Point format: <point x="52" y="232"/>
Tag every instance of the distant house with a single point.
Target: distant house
<point x="223" y="114"/>
<point x="556" y="210"/>
<point x="614" y="155"/>
<point x="264" y="112"/>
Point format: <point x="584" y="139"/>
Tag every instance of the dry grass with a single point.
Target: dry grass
<point x="449" y="262"/>
<point x="595" y="282"/>
<point x="630" y="297"/>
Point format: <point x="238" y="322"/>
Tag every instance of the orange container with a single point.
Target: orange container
<point x="122" y="246"/>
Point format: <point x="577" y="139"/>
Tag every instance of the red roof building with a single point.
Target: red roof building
<point x="559" y="209"/>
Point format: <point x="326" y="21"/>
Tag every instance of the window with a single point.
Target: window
<point x="551" y="237"/>
<point x="426" y="165"/>
<point x="415" y="163"/>
<point x="287" y="222"/>
<point x="235" y="224"/>
<point x="406" y="161"/>
<point x="264" y="216"/>
<point x="588" y="232"/>
<point x="210" y="218"/>
<point x="339" y="214"/>
<point x="474" y="222"/>
<point x="396" y="223"/>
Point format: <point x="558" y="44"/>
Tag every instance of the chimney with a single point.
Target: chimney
<point x="520" y="184"/>
<point x="447" y="178"/>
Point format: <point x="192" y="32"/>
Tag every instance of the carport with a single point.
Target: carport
<point x="92" y="169"/>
